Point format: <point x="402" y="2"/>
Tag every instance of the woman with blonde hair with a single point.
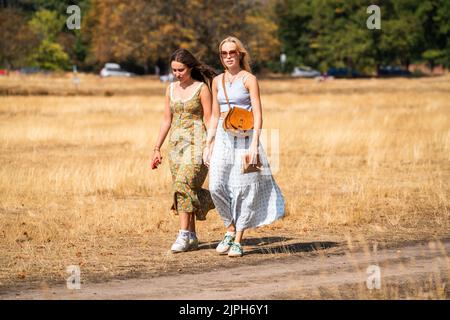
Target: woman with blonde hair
<point x="243" y="200"/>
<point x="187" y="110"/>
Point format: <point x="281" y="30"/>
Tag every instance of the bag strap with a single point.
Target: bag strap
<point x="225" y="90"/>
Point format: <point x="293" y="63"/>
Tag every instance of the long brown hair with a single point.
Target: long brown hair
<point x="200" y="71"/>
<point x="244" y="57"/>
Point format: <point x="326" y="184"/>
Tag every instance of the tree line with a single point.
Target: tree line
<point x="141" y="34"/>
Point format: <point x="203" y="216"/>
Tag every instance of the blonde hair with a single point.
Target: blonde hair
<point x="244" y="57"/>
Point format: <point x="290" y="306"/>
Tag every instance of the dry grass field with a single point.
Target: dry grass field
<point x="359" y="161"/>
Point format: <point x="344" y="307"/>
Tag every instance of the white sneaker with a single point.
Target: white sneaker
<point x="225" y="244"/>
<point x="236" y="250"/>
<point x="181" y="244"/>
<point x="193" y="243"/>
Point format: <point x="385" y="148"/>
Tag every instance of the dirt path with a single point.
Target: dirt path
<point x="322" y="276"/>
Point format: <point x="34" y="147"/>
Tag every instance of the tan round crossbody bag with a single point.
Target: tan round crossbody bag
<point x="238" y="121"/>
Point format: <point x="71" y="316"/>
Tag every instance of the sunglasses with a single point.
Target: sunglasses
<point x="225" y="54"/>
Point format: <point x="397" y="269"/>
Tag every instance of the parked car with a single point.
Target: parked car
<point x="32" y="70"/>
<point x="305" y="72"/>
<point x="343" y="73"/>
<point x="114" y="70"/>
<point x="393" y="71"/>
<point x="167" y="77"/>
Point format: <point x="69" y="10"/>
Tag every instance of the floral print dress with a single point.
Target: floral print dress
<point x="186" y="143"/>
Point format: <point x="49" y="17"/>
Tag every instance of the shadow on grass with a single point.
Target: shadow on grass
<point x="272" y="245"/>
<point x="292" y="247"/>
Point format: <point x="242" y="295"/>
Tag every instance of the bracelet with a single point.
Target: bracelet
<point x="156" y="149"/>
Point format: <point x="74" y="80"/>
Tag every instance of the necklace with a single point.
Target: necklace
<point x="230" y="80"/>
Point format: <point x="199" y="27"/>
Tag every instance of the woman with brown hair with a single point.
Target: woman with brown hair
<point x="243" y="200"/>
<point x="187" y="110"/>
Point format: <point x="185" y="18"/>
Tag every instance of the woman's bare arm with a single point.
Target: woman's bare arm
<point x="205" y="99"/>
<point x="252" y="86"/>
<point x="166" y="122"/>
<point x="214" y="120"/>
